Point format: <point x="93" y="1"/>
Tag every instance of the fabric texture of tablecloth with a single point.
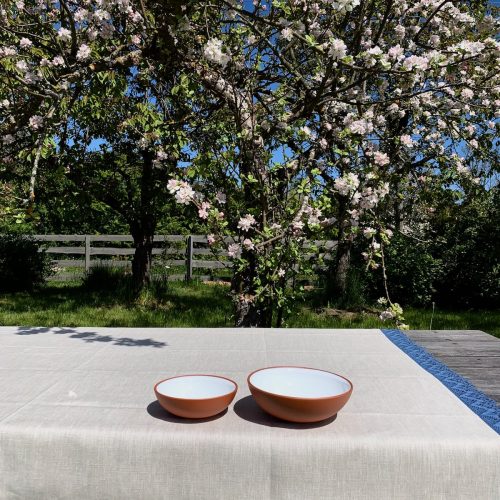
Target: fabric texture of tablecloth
<point x="79" y="420"/>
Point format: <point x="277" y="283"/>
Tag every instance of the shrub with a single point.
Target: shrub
<point x="412" y="271"/>
<point x="106" y="278"/>
<point x="471" y="256"/>
<point x="22" y="265"/>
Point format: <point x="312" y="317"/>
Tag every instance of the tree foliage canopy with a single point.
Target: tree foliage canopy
<point x="276" y="121"/>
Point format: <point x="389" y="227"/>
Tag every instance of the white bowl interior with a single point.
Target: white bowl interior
<point x="299" y="382"/>
<point x="196" y="387"/>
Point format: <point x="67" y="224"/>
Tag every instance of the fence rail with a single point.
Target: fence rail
<point x="188" y="256"/>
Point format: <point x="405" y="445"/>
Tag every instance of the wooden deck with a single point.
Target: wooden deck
<point x="473" y="354"/>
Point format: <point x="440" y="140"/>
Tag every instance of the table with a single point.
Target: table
<point x="78" y="419"/>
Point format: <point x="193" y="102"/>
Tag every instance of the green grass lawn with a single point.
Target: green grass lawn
<point x="200" y="305"/>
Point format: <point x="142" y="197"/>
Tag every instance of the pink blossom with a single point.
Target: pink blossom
<point x="173" y="185"/>
<point x="407" y="141"/>
<point x="36" y="122"/>
<point x="470" y="129"/>
<point x="346" y="184"/>
<point x="213" y="52"/>
<point x="218" y="214"/>
<point x="183" y="192"/>
<point x="8" y="139"/>
<point x="58" y="61"/>
<point x="396" y="52"/>
<point x="467" y="94"/>
<point x="380" y="158"/>
<point x="83" y="53"/>
<point x="25" y="43"/>
<point x="434" y="40"/>
<point x="102" y="15"/>
<point x="64" y="34"/>
<point x="306" y="131"/>
<point x="31" y="77"/>
<point x="246" y="222"/>
<point x="400" y="32"/>
<point x="220" y="197"/>
<point x="369" y="232"/>
<point x="107" y="31"/>
<point x="161" y="155"/>
<point x="313" y="215"/>
<point x="234" y="250"/>
<point x="344" y="5"/>
<point x="297" y="226"/>
<point x="203" y="210"/>
<point x="248" y="244"/>
<point x="386" y="315"/>
<point x="22" y="66"/>
<point x="7" y="51"/>
<point x="287" y="33"/>
<point x="184" y="195"/>
<point x="135" y="17"/>
<point x="81" y="15"/>
<point x="383" y="190"/>
<point x="472" y="48"/>
<point x="361" y="127"/>
<point x="210" y="239"/>
<point x="416" y="62"/>
<point x="338" y="49"/>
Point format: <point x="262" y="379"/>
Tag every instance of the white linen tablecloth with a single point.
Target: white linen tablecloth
<point x="79" y="420"/>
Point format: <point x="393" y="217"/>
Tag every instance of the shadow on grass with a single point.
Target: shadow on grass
<point x="90" y="337"/>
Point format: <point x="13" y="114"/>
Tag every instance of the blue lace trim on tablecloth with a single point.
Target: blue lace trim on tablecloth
<point x="483" y="406"/>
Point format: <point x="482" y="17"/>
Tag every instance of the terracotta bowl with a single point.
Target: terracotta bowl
<point x="299" y="394"/>
<point x="195" y="396"/>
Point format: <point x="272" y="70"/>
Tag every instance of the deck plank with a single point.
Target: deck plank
<point x="471" y="353"/>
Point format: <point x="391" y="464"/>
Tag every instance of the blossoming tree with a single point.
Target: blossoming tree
<point x="77" y="94"/>
<point x="335" y="106"/>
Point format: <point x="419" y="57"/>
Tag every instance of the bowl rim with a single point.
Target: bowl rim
<point x="300" y="398"/>
<point x="196" y="375"/>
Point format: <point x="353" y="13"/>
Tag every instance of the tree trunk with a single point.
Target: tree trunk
<point x="337" y="285"/>
<point x="249" y="314"/>
<point x="398" y="208"/>
<point x="141" y="263"/>
<point x="143" y="229"/>
<point x="342" y="266"/>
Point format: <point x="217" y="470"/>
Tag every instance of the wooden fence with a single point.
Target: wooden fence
<point x="181" y="257"/>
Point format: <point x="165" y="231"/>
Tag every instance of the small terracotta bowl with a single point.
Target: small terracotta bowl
<point x="299" y="394"/>
<point x="195" y="396"/>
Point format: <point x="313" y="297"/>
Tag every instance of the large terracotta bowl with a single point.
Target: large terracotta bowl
<point x="299" y="394"/>
<point x="195" y="396"/>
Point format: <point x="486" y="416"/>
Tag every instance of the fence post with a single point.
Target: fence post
<point x="87" y="253"/>
<point x="189" y="258"/>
